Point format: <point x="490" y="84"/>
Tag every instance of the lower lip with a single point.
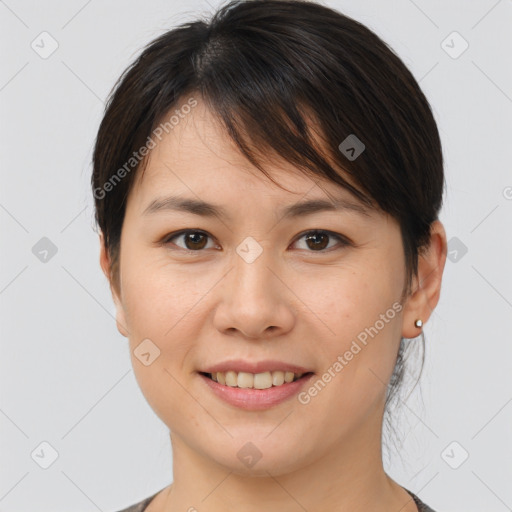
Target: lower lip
<point x="256" y="399"/>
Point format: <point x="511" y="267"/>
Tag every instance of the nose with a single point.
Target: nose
<point x="254" y="300"/>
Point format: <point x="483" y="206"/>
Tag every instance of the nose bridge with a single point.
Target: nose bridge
<point x="253" y="300"/>
<point x="252" y="277"/>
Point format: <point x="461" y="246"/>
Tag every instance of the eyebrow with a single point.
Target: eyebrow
<point x="204" y="209"/>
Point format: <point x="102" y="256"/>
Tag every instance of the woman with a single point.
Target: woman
<point x="267" y="185"/>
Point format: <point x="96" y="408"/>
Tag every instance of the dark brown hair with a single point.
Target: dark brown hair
<point x="271" y="71"/>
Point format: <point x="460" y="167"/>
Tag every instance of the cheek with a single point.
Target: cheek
<point x="161" y="309"/>
<point x="361" y="326"/>
<point x="159" y="298"/>
<point x="161" y="306"/>
<point x="349" y="300"/>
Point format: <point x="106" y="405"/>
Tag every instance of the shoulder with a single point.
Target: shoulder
<point x="141" y="505"/>
<point x="422" y="507"/>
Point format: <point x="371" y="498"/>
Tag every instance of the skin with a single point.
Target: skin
<point x="207" y="306"/>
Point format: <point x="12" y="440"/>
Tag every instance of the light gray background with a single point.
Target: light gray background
<point x="65" y="371"/>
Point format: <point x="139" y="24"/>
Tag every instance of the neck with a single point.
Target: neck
<point x="349" y="477"/>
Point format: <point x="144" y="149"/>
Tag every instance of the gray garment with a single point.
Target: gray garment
<point x="142" y="505"/>
<point x="421" y="506"/>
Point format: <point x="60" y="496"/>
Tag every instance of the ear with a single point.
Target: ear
<point x="427" y="285"/>
<point x="106" y="267"/>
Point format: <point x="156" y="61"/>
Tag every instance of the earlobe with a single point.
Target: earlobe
<point x="106" y="267"/>
<point x="427" y="284"/>
<point x="120" y="318"/>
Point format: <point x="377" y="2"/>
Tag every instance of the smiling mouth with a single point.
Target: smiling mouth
<point x="264" y="380"/>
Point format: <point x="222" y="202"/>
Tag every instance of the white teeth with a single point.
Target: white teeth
<point x="277" y="378"/>
<point x="288" y="376"/>
<point x="263" y="380"/>
<point x="231" y="379"/>
<point x="245" y="380"/>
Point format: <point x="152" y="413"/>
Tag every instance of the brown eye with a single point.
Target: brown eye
<point x="318" y="240"/>
<point x="315" y="240"/>
<point x="192" y="240"/>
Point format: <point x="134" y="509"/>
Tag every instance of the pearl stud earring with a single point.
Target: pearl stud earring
<point x="418" y="323"/>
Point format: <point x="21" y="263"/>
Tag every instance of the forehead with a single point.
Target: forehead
<point x="198" y="158"/>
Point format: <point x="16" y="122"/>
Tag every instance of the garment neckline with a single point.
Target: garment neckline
<point x="420" y="505"/>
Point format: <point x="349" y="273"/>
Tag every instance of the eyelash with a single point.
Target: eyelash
<point x="344" y="241"/>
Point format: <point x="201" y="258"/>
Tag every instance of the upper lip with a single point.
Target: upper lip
<point x="239" y="365"/>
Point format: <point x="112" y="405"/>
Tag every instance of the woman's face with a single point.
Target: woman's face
<point x="256" y="285"/>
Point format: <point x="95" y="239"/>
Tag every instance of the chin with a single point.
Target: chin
<point x="259" y="458"/>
